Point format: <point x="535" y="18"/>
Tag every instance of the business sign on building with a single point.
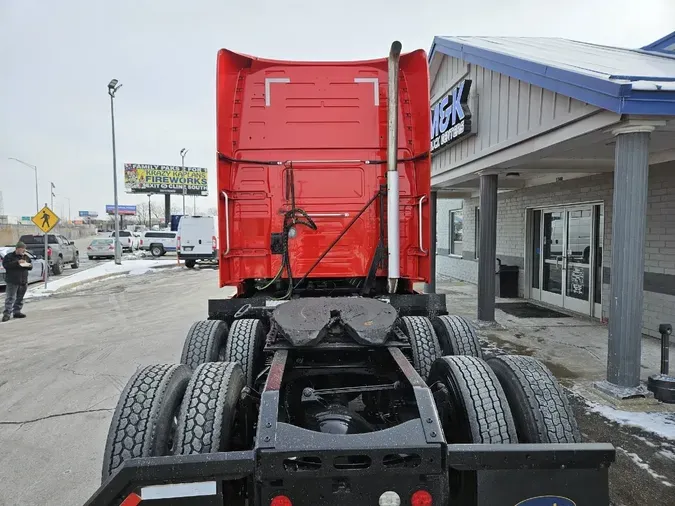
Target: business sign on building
<point x="144" y="178"/>
<point x="122" y="210"/>
<point x="88" y="214"/>
<point x="451" y="117"/>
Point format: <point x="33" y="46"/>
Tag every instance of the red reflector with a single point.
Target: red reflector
<point x="421" y="498"/>
<point x="132" y="500"/>
<point x="281" y="500"/>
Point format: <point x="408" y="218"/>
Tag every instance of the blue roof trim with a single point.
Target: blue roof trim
<point x="616" y="97"/>
<point x="644" y="78"/>
<point x="661" y="44"/>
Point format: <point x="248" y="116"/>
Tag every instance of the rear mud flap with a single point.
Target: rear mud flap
<point x="530" y="474"/>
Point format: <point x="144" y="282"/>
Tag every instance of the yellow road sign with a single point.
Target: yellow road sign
<point x="45" y="219"/>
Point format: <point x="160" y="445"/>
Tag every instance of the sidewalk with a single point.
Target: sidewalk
<point x="575" y="350"/>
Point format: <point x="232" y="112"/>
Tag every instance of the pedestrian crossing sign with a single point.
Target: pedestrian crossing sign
<point x="45" y="219"/>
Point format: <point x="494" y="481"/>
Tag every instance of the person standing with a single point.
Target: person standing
<point x="16" y="264"/>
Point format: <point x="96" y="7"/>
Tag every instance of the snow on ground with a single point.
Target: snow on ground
<point x="104" y="270"/>
<point x="659" y="423"/>
<point x="643" y="465"/>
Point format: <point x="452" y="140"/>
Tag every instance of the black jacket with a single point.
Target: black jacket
<point x="15" y="274"/>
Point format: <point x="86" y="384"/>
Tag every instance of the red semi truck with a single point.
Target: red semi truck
<point x="327" y="379"/>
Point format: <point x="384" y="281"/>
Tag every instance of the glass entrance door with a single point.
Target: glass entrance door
<point x="563" y="257"/>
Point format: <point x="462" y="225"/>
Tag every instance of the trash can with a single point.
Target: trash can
<point x="508" y="281"/>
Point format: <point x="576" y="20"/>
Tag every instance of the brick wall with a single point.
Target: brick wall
<point x="659" y="304"/>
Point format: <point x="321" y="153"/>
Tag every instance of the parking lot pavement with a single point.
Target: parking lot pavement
<point x="63" y="367"/>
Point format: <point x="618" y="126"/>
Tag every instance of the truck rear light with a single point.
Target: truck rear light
<point x="213" y="242"/>
<point x="89" y="247"/>
<point x="49" y="251"/>
<point x="111" y="247"/>
<point x="390" y="498"/>
<point x="178" y="242"/>
<point x="421" y="498"/>
<point x="281" y="500"/>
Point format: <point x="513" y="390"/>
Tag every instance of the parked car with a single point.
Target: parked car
<point x="101" y="247"/>
<point x="128" y="241"/>
<point x="60" y="250"/>
<point x="196" y="241"/>
<point x="158" y="242"/>
<point x="37" y="273"/>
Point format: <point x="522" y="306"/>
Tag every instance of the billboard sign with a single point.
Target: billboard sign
<point x="88" y="214"/>
<point x="145" y="178"/>
<point x="122" y="210"/>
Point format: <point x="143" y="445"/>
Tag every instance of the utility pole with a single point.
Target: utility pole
<point x="113" y="86"/>
<point x="37" y="199"/>
<point x="183" y="152"/>
<point x="149" y="211"/>
<point x="51" y="190"/>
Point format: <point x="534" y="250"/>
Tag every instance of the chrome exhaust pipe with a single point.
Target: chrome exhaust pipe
<point x="393" y="220"/>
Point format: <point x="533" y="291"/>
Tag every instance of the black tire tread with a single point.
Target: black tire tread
<point x="210" y="399"/>
<point x="487" y="409"/>
<point x="457" y="336"/>
<point x="423" y="342"/>
<point x="534" y="393"/>
<point x="242" y="342"/>
<point x="133" y="428"/>
<point x="203" y="342"/>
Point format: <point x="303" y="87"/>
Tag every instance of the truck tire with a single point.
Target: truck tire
<point x="57" y="268"/>
<point x="244" y="342"/>
<point x="456" y="336"/>
<point x="190" y="264"/>
<point x="156" y="250"/>
<point x="539" y="405"/>
<point x="475" y="409"/>
<point x="423" y="343"/>
<point x="208" y="410"/>
<point x="76" y="262"/>
<point x="205" y="342"/>
<point x="142" y="423"/>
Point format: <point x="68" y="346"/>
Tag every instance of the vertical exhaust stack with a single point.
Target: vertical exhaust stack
<point x="393" y="231"/>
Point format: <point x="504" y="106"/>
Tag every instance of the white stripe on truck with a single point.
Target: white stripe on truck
<point x="178" y="490"/>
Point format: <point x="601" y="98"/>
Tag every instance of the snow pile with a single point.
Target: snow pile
<point x="101" y="271"/>
<point x="661" y="424"/>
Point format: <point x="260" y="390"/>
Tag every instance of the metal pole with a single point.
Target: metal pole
<point x="37" y="199"/>
<point x="393" y="218"/>
<point x="183" y="152"/>
<point x="46" y="257"/>
<point x="487" y="248"/>
<point x="149" y="211"/>
<point x="665" y="329"/>
<point x="34" y="167"/>
<point x="629" y="221"/>
<point x="432" y="249"/>
<point x="112" y="88"/>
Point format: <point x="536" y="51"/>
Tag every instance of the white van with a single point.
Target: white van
<point x="196" y="240"/>
<point x="159" y="242"/>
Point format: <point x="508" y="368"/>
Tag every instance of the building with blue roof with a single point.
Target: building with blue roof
<point x="556" y="158"/>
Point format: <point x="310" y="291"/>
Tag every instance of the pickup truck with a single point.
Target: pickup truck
<point x="60" y="251"/>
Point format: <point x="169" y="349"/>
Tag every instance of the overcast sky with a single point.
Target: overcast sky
<point x="57" y="57"/>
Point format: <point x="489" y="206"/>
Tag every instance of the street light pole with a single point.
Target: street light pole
<point x="149" y="212"/>
<point x="183" y="152"/>
<point x="51" y="191"/>
<point x="113" y="86"/>
<point x="37" y="199"/>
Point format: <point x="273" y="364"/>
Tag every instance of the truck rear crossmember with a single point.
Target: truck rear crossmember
<point x="316" y="468"/>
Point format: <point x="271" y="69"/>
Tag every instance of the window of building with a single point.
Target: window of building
<point x="456" y="232"/>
